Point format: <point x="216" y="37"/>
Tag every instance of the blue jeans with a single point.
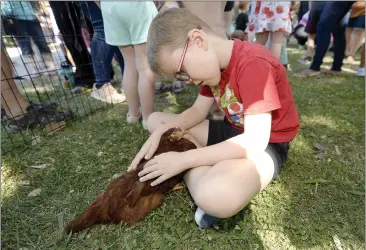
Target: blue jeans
<point x="101" y="52"/>
<point x="332" y="20"/>
<point x="102" y="55"/>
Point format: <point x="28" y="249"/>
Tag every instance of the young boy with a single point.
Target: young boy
<point x="239" y="156"/>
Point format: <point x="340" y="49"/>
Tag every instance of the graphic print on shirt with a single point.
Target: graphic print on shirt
<point x="230" y="104"/>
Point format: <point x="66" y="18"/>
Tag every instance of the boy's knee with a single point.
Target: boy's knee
<point x="154" y="121"/>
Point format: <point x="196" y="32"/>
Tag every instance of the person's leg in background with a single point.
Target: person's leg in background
<point x="283" y="55"/>
<point x="23" y="37"/>
<point x="12" y="100"/>
<point x="146" y="86"/>
<point x="348" y="41"/>
<point x="261" y="38"/>
<point x="228" y="16"/>
<point x="118" y="66"/>
<point x="310" y="47"/>
<point x="355" y="35"/>
<point x="36" y="32"/>
<point x="331" y="16"/>
<point x="130" y="83"/>
<point x="339" y="43"/>
<point x="211" y="13"/>
<point x="361" y="69"/>
<point x="118" y="56"/>
<point x="276" y="43"/>
<point x="310" y="28"/>
<point x="102" y="55"/>
<point x="20" y="113"/>
<point x="68" y="24"/>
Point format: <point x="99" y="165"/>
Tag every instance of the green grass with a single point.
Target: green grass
<point x="43" y="89"/>
<point x="313" y="200"/>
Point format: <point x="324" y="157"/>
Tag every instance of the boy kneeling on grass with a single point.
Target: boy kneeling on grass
<point x="239" y="156"/>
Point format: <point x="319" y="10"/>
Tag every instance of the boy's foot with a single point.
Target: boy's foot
<point x="305" y="60"/>
<point x="107" y="93"/>
<point x="307" y="73"/>
<point x="203" y="220"/>
<point x="360" y="72"/>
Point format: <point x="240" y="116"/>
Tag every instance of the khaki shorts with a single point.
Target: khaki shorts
<point x="127" y="23"/>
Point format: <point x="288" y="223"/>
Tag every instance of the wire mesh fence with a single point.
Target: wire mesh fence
<point x="46" y="70"/>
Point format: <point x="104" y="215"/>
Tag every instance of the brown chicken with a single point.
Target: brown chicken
<point x="126" y="198"/>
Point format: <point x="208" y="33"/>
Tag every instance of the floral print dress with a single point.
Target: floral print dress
<point x="269" y="16"/>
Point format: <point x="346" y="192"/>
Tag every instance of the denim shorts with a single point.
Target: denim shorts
<point x="357" y="23"/>
<point x="219" y="131"/>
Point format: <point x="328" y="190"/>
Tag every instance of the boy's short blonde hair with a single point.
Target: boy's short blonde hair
<point x="169" y="31"/>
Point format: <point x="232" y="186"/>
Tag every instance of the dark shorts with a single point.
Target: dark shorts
<point x="313" y="20"/>
<point x="357" y="23"/>
<point x="229" y="6"/>
<point x="219" y="131"/>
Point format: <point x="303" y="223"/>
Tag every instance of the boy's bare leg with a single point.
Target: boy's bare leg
<point x="11" y="99"/>
<point x="130" y="80"/>
<point x="233" y="182"/>
<point x="224" y="189"/>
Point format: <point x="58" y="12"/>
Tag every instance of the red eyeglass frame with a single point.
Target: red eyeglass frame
<point x="179" y="74"/>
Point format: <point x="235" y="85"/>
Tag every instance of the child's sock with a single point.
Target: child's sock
<point x="203" y="220"/>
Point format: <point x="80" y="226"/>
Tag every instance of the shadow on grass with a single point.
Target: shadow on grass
<point x="326" y="192"/>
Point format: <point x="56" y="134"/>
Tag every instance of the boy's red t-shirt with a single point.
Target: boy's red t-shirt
<point x="255" y="82"/>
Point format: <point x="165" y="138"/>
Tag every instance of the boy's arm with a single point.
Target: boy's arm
<point x="193" y="116"/>
<point x="254" y="140"/>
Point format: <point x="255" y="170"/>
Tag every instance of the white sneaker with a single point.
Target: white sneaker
<point x="203" y="220"/>
<point x="107" y="94"/>
<point x="360" y="72"/>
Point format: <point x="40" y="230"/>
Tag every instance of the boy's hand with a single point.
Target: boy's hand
<point x="148" y="149"/>
<point x="163" y="167"/>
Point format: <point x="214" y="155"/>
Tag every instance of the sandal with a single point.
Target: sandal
<point x="133" y="119"/>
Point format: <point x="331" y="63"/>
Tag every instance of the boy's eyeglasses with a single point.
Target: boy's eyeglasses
<point x="180" y="75"/>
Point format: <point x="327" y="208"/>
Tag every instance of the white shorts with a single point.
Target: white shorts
<point x="127" y="23"/>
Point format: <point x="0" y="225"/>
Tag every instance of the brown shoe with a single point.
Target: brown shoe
<point x="307" y="73"/>
<point x="333" y="72"/>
